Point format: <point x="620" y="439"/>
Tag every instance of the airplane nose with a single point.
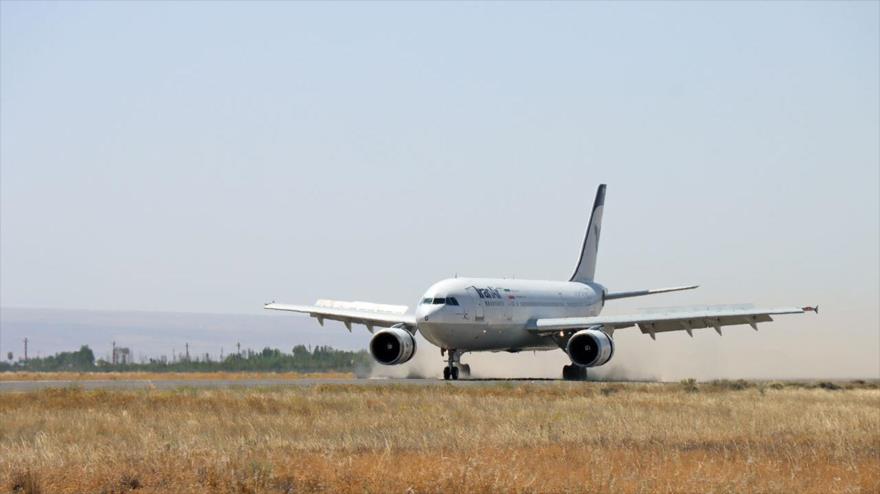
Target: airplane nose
<point x="427" y="312"/>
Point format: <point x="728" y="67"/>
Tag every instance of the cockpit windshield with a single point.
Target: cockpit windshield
<point x="440" y="301"/>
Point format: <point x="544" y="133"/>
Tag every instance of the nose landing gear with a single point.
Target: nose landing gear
<point x="450" y="373"/>
<point x="454" y="367"/>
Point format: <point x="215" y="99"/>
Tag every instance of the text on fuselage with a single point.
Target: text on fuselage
<point x="488" y="292"/>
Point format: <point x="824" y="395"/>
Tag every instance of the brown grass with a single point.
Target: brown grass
<point x="553" y="437"/>
<point x="166" y="376"/>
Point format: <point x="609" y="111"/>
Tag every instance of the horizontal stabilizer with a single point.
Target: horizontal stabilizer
<point x="654" y="291"/>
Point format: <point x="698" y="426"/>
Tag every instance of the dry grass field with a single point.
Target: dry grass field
<point x="166" y="376"/>
<point x="505" y="437"/>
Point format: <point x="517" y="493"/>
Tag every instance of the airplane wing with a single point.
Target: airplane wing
<point x="365" y="313"/>
<point x="675" y="320"/>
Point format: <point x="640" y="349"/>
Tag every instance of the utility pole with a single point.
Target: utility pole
<point x="113" y="354"/>
<point x="187" y="351"/>
<point x="238" y="345"/>
<point x="25" y="349"/>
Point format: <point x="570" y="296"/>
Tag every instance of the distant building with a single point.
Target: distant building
<point x="121" y="356"/>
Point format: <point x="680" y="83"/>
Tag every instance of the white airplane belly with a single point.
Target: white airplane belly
<point x="475" y="336"/>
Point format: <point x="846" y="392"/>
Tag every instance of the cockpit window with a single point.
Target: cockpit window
<point x="426" y="300"/>
<point x="451" y="301"/>
<point x="439" y="301"/>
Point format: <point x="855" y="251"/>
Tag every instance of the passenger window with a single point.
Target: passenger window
<point x="439" y="301"/>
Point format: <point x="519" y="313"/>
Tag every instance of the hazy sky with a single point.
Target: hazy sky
<point x="209" y="157"/>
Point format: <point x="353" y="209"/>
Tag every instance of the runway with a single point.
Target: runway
<point x="127" y="384"/>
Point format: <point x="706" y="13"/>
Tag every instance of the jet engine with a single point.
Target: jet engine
<point x="590" y="348"/>
<point x="393" y="346"/>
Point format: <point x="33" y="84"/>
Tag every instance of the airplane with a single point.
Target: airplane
<point x="462" y="315"/>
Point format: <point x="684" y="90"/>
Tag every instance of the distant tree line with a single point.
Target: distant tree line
<point x="300" y="359"/>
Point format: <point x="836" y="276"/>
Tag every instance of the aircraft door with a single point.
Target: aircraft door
<point x="478" y="307"/>
<point x="507" y="308"/>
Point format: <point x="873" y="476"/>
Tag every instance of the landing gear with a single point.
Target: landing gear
<point x="454" y="367"/>
<point x="574" y="373"/>
<point x="451" y="373"/>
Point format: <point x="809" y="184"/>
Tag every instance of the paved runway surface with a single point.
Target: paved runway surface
<point x="246" y="383"/>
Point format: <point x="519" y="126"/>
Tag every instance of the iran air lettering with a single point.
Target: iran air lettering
<point x="488" y="292"/>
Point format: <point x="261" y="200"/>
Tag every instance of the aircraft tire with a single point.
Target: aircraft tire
<point x="574" y="373"/>
<point x="446" y="374"/>
<point x="455" y="373"/>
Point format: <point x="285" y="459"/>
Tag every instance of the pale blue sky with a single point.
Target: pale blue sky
<point x="209" y="157"/>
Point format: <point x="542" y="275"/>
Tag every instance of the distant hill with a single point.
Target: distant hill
<point x="156" y="334"/>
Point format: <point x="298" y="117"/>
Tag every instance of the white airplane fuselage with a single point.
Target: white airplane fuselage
<point x="492" y="314"/>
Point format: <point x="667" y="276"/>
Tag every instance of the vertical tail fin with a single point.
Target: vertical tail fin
<point x="586" y="267"/>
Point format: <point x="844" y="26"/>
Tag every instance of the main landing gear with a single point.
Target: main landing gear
<point x="454" y="367"/>
<point x="574" y="373"/>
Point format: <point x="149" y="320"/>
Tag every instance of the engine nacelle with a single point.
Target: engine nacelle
<point x="392" y="346"/>
<point x="590" y="348"/>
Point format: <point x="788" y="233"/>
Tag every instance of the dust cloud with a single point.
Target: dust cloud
<point x="780" y="350"/>
<point x="428" y="363"/>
